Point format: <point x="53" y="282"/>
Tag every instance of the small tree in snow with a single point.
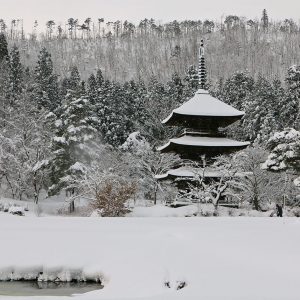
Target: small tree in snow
<point x="205" y="189"/>
<point x="148" y="163"/>
<point x="255" y="185"/>
<point x="25" y="149"/>
<point x="107" y="183"/>
<point x="284" y="154"/>
<point x="112" y="196"/>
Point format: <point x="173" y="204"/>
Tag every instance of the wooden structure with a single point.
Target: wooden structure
<point x="202" y="118"/>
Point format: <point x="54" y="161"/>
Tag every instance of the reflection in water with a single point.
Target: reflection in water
<point x="38" y="288"/>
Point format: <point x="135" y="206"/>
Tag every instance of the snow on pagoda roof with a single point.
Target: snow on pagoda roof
<point x="189" y="172"/>
<point x="203" y="141"/>
<point x="203" y="104"/>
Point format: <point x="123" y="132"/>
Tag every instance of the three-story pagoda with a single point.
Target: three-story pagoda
<point x="202" y="118"/>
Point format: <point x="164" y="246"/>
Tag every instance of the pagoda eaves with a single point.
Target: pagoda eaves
<point x="193" y="147"/>
<point x="203" y="112"/>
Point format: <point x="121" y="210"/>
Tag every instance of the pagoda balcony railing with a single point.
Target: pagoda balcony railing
<point x="197" y="132"/>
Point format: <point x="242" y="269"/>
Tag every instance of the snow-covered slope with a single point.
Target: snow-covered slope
<point x="218" y="258"/>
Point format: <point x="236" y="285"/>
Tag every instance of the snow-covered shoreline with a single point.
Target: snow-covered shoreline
<point x="218" y="258"/>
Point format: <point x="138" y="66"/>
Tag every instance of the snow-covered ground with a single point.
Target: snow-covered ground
<point x="218" y="258"/>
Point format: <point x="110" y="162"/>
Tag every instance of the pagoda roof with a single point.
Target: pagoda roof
<point x="186" y="172"/>
<point x="203" y="141"/>
<point x="191" y="172"/>
<point x="204" y="105"/>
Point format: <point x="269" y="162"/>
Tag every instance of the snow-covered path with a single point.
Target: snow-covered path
<point x="219" y="258"/>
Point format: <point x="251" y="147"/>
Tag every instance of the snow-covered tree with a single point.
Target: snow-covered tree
<point x="152" y="164"/>
<point x="136" y="144"/>
<point x="174" y="91"/>
<point x="15" y="82"/>
<point x="191" y="81"/>
<point x="254" y="184"/>
<point x="284" y="154"/>
<point x="262" y="108"/>
<point x="75" y="83"/>
<point x="3" y="47"/>
<point x="108" y="183"/>
<point x="74" y="144"/>
<point x="24" y="150"/>
<point x="265" y="20"/>
<point x="291" y="112"/>
<point x="236" y="88"/>
<point x="46" y="92"/>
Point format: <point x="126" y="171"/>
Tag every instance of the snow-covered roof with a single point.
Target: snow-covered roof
<point x="190" y="172"/>
<point x="204" y="142"/>
<point x="203" y="104"/>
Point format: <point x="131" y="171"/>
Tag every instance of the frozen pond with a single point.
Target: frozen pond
<point x="36" y="288"/>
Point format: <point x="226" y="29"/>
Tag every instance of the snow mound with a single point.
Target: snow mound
<point x="164" y="211"/>
<point x="16" y="210"/>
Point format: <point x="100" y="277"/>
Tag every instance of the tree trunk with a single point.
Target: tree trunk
<point x="256" y="203"/>
<point x="155" y="194"/>
<point x="72" y="206"/>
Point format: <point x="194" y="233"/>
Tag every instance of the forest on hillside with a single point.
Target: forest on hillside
<point x="125" y="51"/>
<point x="81" y="106"/>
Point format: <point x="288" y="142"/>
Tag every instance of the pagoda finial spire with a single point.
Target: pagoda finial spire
<point x="202" y="68"/>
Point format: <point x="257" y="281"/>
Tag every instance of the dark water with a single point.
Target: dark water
<point x="36" y="288"/>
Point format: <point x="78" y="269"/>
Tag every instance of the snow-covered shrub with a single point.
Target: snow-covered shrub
<point x="253" y="184"/>
<point x="111" y="198"/>
<point x="284" y="154"/>
<point x="16" y="210"/>
<point x="136" y="144"/>
<point x="285" y="151"/>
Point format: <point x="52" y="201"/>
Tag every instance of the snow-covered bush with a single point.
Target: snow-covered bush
<point x="16" y="210"/>
<point x="285" y="151"/>
<point x="254" y="185"/>
<point x="136" y="144"/>
<point x="112" y="196"/>
<point x="284" y="154"/>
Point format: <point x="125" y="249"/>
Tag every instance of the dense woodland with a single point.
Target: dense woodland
<point x="125" y="51"/>
<point x="72" y="97"/>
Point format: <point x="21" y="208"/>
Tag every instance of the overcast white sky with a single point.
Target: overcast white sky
<point x="164" y="10"/>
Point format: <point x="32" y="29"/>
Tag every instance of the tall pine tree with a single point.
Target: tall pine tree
<point x="3" y="47"/>
<point x="15" y="82"/>
<point x="46" y="92"/>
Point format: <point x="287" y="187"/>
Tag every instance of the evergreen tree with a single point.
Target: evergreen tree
<point x="74" y="144"/>
<point x="236" y="88"/>
<point x="92" y="89"/>
<point x="292" y="102"/>
<point x="46" y="85"/>
<point x="75" y="81"/>
<point x="174" y="91"/>
<point x="15" y="82"/>
<point x="99" y="78"/>
<point x="157" y="108"/>
<point x="261" y="118"/>
<point x="279" y="107"/>
<point x="191" y="81"/>
<point x="3" y="47"/>
<point x="64" y="87"/>
<point x="112" y="114"/>
<point x="265" y="19"/>
<point x="284" y="149"/>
